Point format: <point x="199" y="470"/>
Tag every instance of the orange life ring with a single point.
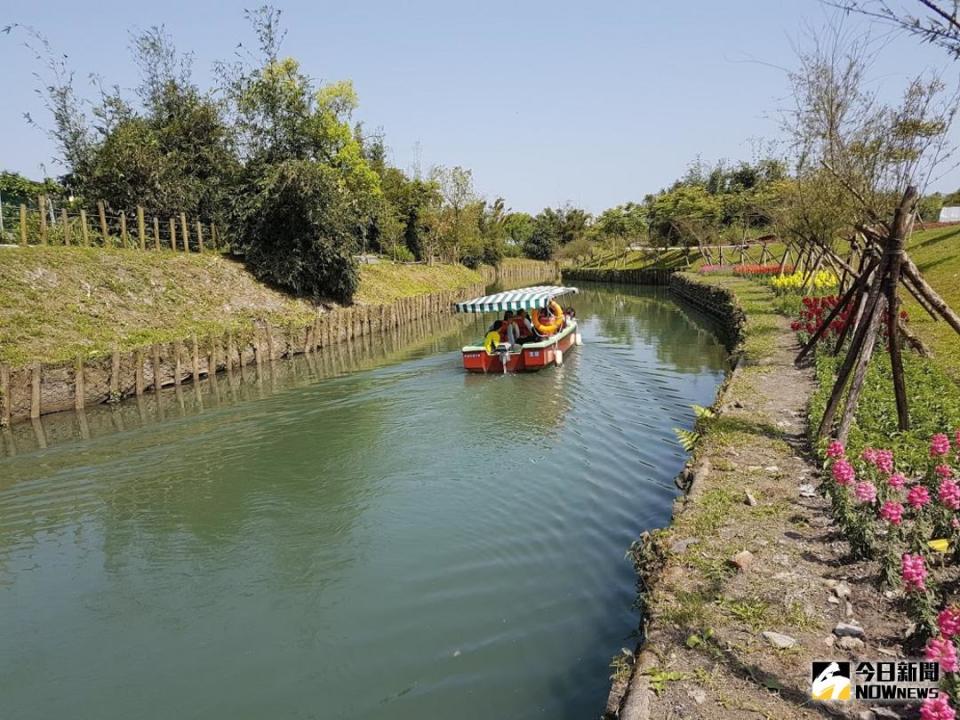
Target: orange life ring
<point x="548" y="328"/>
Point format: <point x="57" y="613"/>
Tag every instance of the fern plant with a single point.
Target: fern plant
<point x="688" y="439"/>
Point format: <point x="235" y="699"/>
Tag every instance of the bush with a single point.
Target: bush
<point x="401" y="253"/>
<point x="297" y="232"/>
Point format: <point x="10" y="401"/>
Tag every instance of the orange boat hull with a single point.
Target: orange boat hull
<point x="529" y="359"/>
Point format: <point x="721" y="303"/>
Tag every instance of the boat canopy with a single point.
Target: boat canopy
<point x="523" y="299"/>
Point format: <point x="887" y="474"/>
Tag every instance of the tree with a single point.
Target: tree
<point x="518" y="227"/>
<point x="545" y="235"/>
<point x="937" y="24"/>
<point x="877" y="156"/>
<point x="16" y="189"/>
<point x="493" y="230"/>
<point x="300" y="234"/>
<point x="298" y="147"/>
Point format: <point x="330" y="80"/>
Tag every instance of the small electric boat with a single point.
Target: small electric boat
<point x="561" y="335"/>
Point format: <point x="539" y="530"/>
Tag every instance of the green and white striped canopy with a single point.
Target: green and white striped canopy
<point x="523" y="299"/>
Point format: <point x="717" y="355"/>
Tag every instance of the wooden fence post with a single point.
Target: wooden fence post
<point x="124" y="238"/>
<point x="185" y="232"/>
<point x="78" y="387"/>
<point x="4" y="396"/>
<point x="141" y="228"/>
<point x="41" y="203"/>
<point x="138" y="371"/>
<point x="214" y="238"/>
<point x="173" y="233"/>
<point x="35" y="391"/>
<point x="155" y="366"/>
<point x="104" y="230"/>
<point x="199" y="236"/>
<point x="196" y="361"/>
<point x="177" y="363"/>
<point x="84" y="231"/>
<point x="156" y="233"/>
<point x="115" y="376"/>
<point x="270" y="340"/>
<point x="23" y="224"/>
<point x="66" y="226"/>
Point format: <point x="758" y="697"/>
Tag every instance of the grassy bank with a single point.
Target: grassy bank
<point x="60" y="303"/>
<point x="937" y="254"/>
<point x="743" y="559"/>
<point x="749" y="583"/>
<point x="675" y="259"/>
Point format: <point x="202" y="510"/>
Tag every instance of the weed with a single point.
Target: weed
<point x="659" y="678"/>
<point x="752" y="612"/>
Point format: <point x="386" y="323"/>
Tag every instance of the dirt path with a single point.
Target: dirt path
<point x="753" y="551"/>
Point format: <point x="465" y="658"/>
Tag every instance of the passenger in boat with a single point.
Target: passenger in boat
<point x="525" y="331"/>
<point x="508" y="331"/>
<point x="492" y="338"/>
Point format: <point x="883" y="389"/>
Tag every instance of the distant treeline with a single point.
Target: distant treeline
<point x="274" y="159"/>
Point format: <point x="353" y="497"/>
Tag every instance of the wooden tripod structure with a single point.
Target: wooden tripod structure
<point x="873" y="299"/>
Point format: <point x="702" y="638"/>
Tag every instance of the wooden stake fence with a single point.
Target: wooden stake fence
<point x="45" y="225"/>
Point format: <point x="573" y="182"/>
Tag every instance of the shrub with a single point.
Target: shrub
<point x="297" y="232"/>
<point x="401" y="253"/>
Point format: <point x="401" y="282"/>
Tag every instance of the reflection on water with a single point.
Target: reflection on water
<point x="403" y="542"/>
<point x="242" y="384"/>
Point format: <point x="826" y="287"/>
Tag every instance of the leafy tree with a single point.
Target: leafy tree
<point x="553" y="228"/>
<point x="300" y="233"/>
<point x="16" y="189"/>
<point x="518" y="227"/>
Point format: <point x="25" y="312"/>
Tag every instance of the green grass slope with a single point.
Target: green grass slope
<point x="59" y="303"/>
<point x="937" y="254"/>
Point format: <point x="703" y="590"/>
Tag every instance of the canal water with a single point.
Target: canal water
<point x="403" y="541"/>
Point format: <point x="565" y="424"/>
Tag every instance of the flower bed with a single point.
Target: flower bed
<point x="909" y="522"/>
<point x="813" y="311"/>
<point x="756" y="270"/>
<point x="793" y="282"/>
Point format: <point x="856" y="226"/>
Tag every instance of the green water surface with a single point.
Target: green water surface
<point x="403" y="541"/>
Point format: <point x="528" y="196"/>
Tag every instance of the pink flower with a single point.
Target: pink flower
<point x="937" y="708"/>
<point x="949" y="494"/>
<point x="836" y="450"/>
<point x="944" y="471"/>
<point x="897" y="481"/>
<point x="943" y="651"/>
<point x="870" y="455"/>
<point x="883" y="459"/>
<point x="892" y="512"/>
<point x="939" y="445"/>
<point x="843" y="472"/>
<point x="866" y="492"/>
<point x="913" y="572"/>
<point x="955" y="523"/>
<point x="918" y="496"/>
<point x="949" y="621"/>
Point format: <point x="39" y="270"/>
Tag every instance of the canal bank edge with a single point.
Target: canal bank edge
<point x="40" y="388"/>
<point x="750" y="580"/>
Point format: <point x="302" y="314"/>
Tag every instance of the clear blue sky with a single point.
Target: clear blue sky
<point x="547" y="102"/>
